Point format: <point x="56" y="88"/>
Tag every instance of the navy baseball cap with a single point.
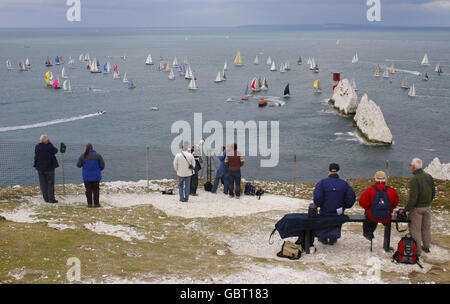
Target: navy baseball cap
<point x="334" y="167"/>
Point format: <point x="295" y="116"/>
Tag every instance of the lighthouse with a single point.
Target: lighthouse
<point x="336" y="79"/>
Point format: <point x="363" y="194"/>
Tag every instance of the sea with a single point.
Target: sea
<point x="135" y="140"/>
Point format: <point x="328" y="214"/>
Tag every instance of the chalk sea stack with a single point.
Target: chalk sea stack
<point x="345" y="99"/>
<point x="438" y="170"/>
<point x="370" y="123"/>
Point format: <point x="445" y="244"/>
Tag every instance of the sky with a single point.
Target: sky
<point x="220" y="13"/>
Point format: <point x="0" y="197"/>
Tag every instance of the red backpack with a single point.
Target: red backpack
<point x="406" y="251"/>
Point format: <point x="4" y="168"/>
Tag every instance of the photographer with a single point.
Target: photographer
<point x="184" y="165"/>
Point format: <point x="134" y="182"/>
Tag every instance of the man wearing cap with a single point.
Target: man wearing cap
<point x="367" y="199"/>
<point x="332" y="195"/>
<point x="421" y="194"/>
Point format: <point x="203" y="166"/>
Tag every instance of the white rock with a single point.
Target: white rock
<point x="345" y="98"/>
<point x="438" y="170"/>
<point x="370" y="121"/>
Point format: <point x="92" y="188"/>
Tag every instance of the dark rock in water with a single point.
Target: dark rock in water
<point x="2" y="219"/>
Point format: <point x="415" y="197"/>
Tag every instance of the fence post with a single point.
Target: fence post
<point x="387" y="171"/>
<point x="63" y="177"/>
<point x="295" y="171"/>
<point x="148" y="166"/>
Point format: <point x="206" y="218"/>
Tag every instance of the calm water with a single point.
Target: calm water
<point x="308" y="127"/>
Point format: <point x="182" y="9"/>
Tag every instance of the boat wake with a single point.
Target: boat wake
<point x="51" y="122"/>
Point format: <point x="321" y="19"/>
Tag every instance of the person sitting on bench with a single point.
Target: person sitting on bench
<point x="332" y="195"/>
<point x="378" y="201"/>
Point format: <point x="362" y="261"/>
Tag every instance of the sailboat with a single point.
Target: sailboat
<point x="312" y="64"/>
<point x="149" y="60"/>
<point x="218" y="78"/>
<point x="438" y="69"/>
<point x="27" y="64"/>
<point x="171" y="75"/>
<point x="412" y="91"/>
<point x="66" y="85"/>
<point x="107" y="67"/>
<point x="225" y="67"/>
<point x="282" y="68"/>
<point x="256" y="61"/>
<point x="131" y="84"/>
<point x="338" y="42"/>
<point x="317" y="87"/>
<point x="224" y="76"/>
<point x="116" y="74"/>
<point x="238" y="60"/>
<point x="168" y="68"/>
<point x="182" y="69"/>
<point x="405" y="84"/>
<point x="56" y="84"/>
<point x="255" y="85"/>
<point x="160" y="66"/>
<point x="425" y="77"/>
<point x="48" y="63"/>
<point x="309" y="61"/>
<point x="189" y="74"/>
<point x="57" y="60"/>
<point x="264" y="86"/>
<point x="378" y="71"/>
<point x="354" y="85"/>
<point x="64" y="74"/>
<point x="355" y="58"/>
<point x="392" y="69"/>
<point x="316" y="68"/>
<point x="95" y="66"/>
<point x="299" y="61"/>
<point x="22" y="67"/>
<point x="175" y="62"/>
<point x="125" y="79"/>
<point x="273" y="68"/>
<point x="425" y="60"/>
<point x="71" y="62"/>
<point x="48" y="79"/>
<point x="386" y="74"/>
<point x="81" y="57"/>
<point x="287" y="93"/>
<point x="192" y="85"/>
<point x="269" y="61"/>
<point x="8" y="65"/>
<point x="287" y="66"/>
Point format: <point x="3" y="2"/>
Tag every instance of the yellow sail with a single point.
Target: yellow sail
<point x="238" y="59"/>
<point x="47" y="77"/>
<point x="316" y="84"/>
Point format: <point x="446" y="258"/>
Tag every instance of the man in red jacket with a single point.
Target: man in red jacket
<point x="366" y="202"/>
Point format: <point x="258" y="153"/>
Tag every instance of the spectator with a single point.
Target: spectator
<point x="332" y="195"/>
<point x="381" y="215"/>
<point x="421" y="194"/>
<point x="45" y="163"/>
<point x="195" y="150"/>
<point x="221" y="171"/>
<point x="92" y="164"/>
<point x="235" y="161"/>
<point x="184" y="165"/>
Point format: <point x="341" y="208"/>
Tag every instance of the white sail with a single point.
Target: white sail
<point x="309" y="61"/>
<point x="171" y="75"/>
<point x="224" y="76"/>
<point x="273" y="67"/>
<point x="125" y="79"/>
<point x="264" y="86"/>
<point x="149" y="60"/>
<point x="287" y="66"/>
<point x="192" y="85"/>
<point x="256" y="61"/>
<point x="27" y="63"/>
<point x="438" y="68"/>
<point x="354" y="84"/>
<point x="405" y="84"/>
<point x="312" y="64"/>
<point x="269" y="61"/>
<point x="8" y="65"/>
<point x="355" y="58"/>
<point x="425" y="60"/>
<point x="225" y="68"/>
<point x="81" y="57"/>
<point x="65" y="85"/>
<point x="218" y="78"/>
<point x="386" y="74"/>
<point x="175" y="62"/>
<point x="116" y="75"/>
<point x="64" y="74"/>
<point x="412" y="91"/>
<point x="282" y="68"/>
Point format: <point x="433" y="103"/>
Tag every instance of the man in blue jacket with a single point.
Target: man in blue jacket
<point x="332" y="195"/>
<point x="221" y="171"/>
<point x="45" y="163"/>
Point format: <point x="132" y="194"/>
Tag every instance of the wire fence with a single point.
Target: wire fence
<point x="131" y="163"/>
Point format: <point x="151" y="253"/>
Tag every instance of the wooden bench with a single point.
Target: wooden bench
<point x="361" y="218"/>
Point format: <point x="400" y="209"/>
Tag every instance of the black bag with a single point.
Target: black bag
<point x="249" y="189"/>
<point x="168" y="191"/>
<point x="208" y="186"/>
<point x="190" y="166"/>
<point x="259" y="193"/>
<point x="312" y="210"/>
<point x="400" y="216"/>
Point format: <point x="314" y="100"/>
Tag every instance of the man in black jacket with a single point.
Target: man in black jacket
<point x="45" y="163"/>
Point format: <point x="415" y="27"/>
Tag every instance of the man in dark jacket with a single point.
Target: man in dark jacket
<point x="93" y="165"/>
<point x="366" y="201"/>
<point x="234" y="160"/>
<point x="45" y="163"/>
<point x="421" y="194"/>
<point x="195" y="151"/>
<point x="332" y="195"/>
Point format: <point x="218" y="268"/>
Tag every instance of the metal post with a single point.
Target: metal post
<point x="63" y="177"/>
<point x="387" y="171"/>
<point x="148" y="166"/>
<point x="295" y="171"/>
<point x="387" y="237"/>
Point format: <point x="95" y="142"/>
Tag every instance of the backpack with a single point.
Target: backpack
<point x="290" y="251"/>
<point x="381" y="205"/>
<point x="208" y="186"/>
<point x="249" y="189"/>
<point x="406" y="251"/>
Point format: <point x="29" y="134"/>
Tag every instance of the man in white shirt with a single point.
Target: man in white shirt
<point x="184" y="164"/>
